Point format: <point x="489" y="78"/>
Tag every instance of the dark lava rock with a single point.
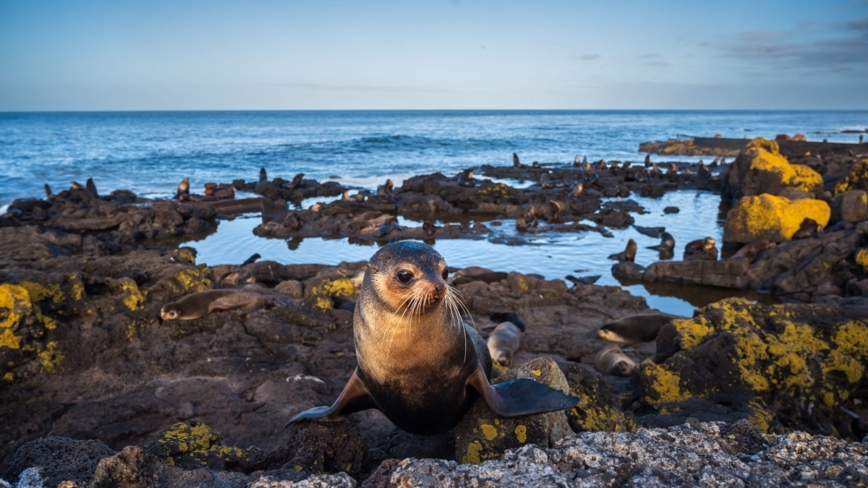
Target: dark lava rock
<point x="671" y="210"/>
<point x="729" y="273"/>
<point x="59" y="459"/>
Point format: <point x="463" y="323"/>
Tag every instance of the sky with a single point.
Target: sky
<point x="287" y="55"/>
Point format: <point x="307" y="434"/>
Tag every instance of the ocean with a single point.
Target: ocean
<point x="150" y="152"/>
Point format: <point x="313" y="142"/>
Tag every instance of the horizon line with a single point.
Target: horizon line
<point x="4" y="112"/>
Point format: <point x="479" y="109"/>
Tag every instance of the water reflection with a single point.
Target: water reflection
<point x="553" y="255"/>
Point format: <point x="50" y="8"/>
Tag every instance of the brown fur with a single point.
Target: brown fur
<point x="611" y="360"/>
<point x="200" y="304"/>
<point x="503" y="342"/>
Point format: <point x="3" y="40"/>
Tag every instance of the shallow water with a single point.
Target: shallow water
<point x="553" y="255"/>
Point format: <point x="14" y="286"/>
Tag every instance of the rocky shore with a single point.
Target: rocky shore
<point x="97" y="390"/>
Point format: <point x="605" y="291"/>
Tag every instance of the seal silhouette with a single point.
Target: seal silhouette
<point x="418" y="362"/>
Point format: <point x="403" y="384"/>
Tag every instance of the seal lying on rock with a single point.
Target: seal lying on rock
<point x="418" y="362"/>
<point x="611" y="360"/>
<point x="635" y="328"/>
<point x="200" y="304"/>
<point x="505" y="339"/>
<point x="701" y="249"/>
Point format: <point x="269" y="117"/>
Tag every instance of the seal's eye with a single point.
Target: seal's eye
<point x="445" y="273"/>
<point x="404" y="276"/>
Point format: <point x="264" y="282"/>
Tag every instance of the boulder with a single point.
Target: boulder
<point x="481" y="435"/>
<point x="760" y="168"/>
<point x="783" y="367"/>
<point x="850" y="206"/>
<point x="192" y="444"/>
<point x="772" y="218"/>
<point x="727" y="273"/>
<point x="59" y="459"/>
<point x="856" y="179"/>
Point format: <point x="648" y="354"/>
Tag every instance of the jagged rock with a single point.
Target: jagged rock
<point x="728" y="273"/>
<point x="767" y="217"/>
<point x="339" y="480"/>
<point x="192" y="444"/>
<point x="703" y="454"/>
<point x="598" y="407"/>
<point x="290" y="288"/>
<point x="760" y="168"/>
<point x="481" y="435"/>
<point x="322" y="447"/>
<point x="59" y="459"/>
<point x="784" y="367"/>
<point x="850" y="206"/>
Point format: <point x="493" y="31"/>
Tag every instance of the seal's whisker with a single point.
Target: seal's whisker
<point x="412" y="300"/>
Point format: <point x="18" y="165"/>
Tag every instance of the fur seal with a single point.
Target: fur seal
<point x="556" y="209"/>
<point x="74" y="185"/>
<point x="465" y="178"/>
<point x="577" y="161"/>
<point x="655" y="171"/>
<point x="505" y="339"/>
<point x="252" y="259"/>
<point x="628" y="254"/>
<point x="701" y="249"/>
<point x="648" y="160"/>
<point x="577" y="191"/>
<point x="584" y="280"/>
<point x="263" y="176"/>
<point x="635" y="328"/>
<point x="296" y="181"/>
<point x="418" y="362"/>
<point x="667" y="243"/>
<point x="90" y="187"/>
<point x="612" y="360"/>
<point x="808" y="228"/>
<point x="515" y="161"/>
<point x="385" y="191"/>
<point x="429" y="227"/>
<point x="200" y="304"/>
<point x="48" y="194"/>
<point x="183" y="189"/>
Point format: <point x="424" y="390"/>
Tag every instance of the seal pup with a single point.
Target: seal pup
<point x="74" y="185"/>
<point x="612" y="360"/>
<point x="628" y="255"/>
<point x="200" y="304"/>
<point x="701" y="249"/>
<point x="418" y="362"/>
<point x="505" y="339"/>
<point x="635" y="328"/>
<point x="429" y="227"/>
<point x="183" y="189"/>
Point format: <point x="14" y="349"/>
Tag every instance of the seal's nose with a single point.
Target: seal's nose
<point x="439" y="286"/>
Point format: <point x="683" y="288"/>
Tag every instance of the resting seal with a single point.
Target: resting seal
<point x="418" y="362"/>
<point x="505" y="339"/>
<point x="635" y="328"/>
<point x="200" y="304"/>
<point x="611" y="360"/>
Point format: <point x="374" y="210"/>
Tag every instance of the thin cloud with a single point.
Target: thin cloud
<point x="787" y="49"/>
<point x="360" y="88"/>
<point x="589" y="57"/>
<point x="659" y="63"/>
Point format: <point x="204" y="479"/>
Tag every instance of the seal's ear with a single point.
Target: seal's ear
<point x="373" y="268"/>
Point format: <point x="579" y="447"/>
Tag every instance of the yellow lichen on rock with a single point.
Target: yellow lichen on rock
<point x="499" y="190"/>
<point x="521" y="433"/>
<point x="133" y="297"/>
<point x="193" y="279"/>
<point x="765" y="157"/>
<point x="50" y="358"/>
<point x="690" y="332"/>
<point x="861" y="258"/>
<point x="768" y="217"/>
<point x="15" y="303"/>
<point x="666" y="384"/>
<point x="857" y="179"/>
<point x="341" y="287"/>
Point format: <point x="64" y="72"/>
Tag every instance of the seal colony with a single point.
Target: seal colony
<point x="418" y="362"/>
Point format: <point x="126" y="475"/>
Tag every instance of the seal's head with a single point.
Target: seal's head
<point x="170" y="312"/>
<point x="607" y="334"/>
<point x="408" y="275"/>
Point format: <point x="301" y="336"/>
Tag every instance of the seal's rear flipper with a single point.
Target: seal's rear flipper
<point x="519" y="397"/>
<point x="354" y="398"/>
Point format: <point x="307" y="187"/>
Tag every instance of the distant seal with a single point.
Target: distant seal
<point x="263" y="175"/>
<point x="667" y="243"/>
<point x="252" y="259"/>
<point x="701" y="249"/>
<point x="76" y="185"/>
<point x="429" y="227"/>
<point x="48" y="194"/>
<point x="648" y="160"/>
<point x="295" y="183"/>
<point x="577" y="161"/>
<point x="577" y="191"/>
<point x="521" y="223"/>
<point x="628" y="255"/>
<point x="505" y="339"/>
<point x="655" y="171"/>
<point x="385" y="191"/>
<point x="90" y="187"/>
<point x="635" y="328"/>
<point x="183" y="189"/>
<point x="516" y="162"/>
<point x="584" y="280"/>
<point x="611" y="360"/>
<point x="200" y="304"/>
<point x="465" y="178"/>
<point x="418" y="362"/>
<point x="556" y="209"/>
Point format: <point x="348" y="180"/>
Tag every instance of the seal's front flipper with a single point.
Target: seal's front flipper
<point x="519" y="397"/>
<point x="354" y="398"/>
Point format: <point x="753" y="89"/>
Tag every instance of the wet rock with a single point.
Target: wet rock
<point x="611" y="217"/>
<point x="760" y="168"/>
<point x="628" y="271"/>
<point x="671" y="210"/>
<point x="58" y="459"/>
<point x="481" y="435"/>
<point x="697" y="454"/>
<point x="783" y="367"/>
<point x="767" y="217"/>
<point x="728" y="273"/>
<point x="850" y="206"/>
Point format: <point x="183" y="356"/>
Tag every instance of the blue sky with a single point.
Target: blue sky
<point x="162" y="55"/>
